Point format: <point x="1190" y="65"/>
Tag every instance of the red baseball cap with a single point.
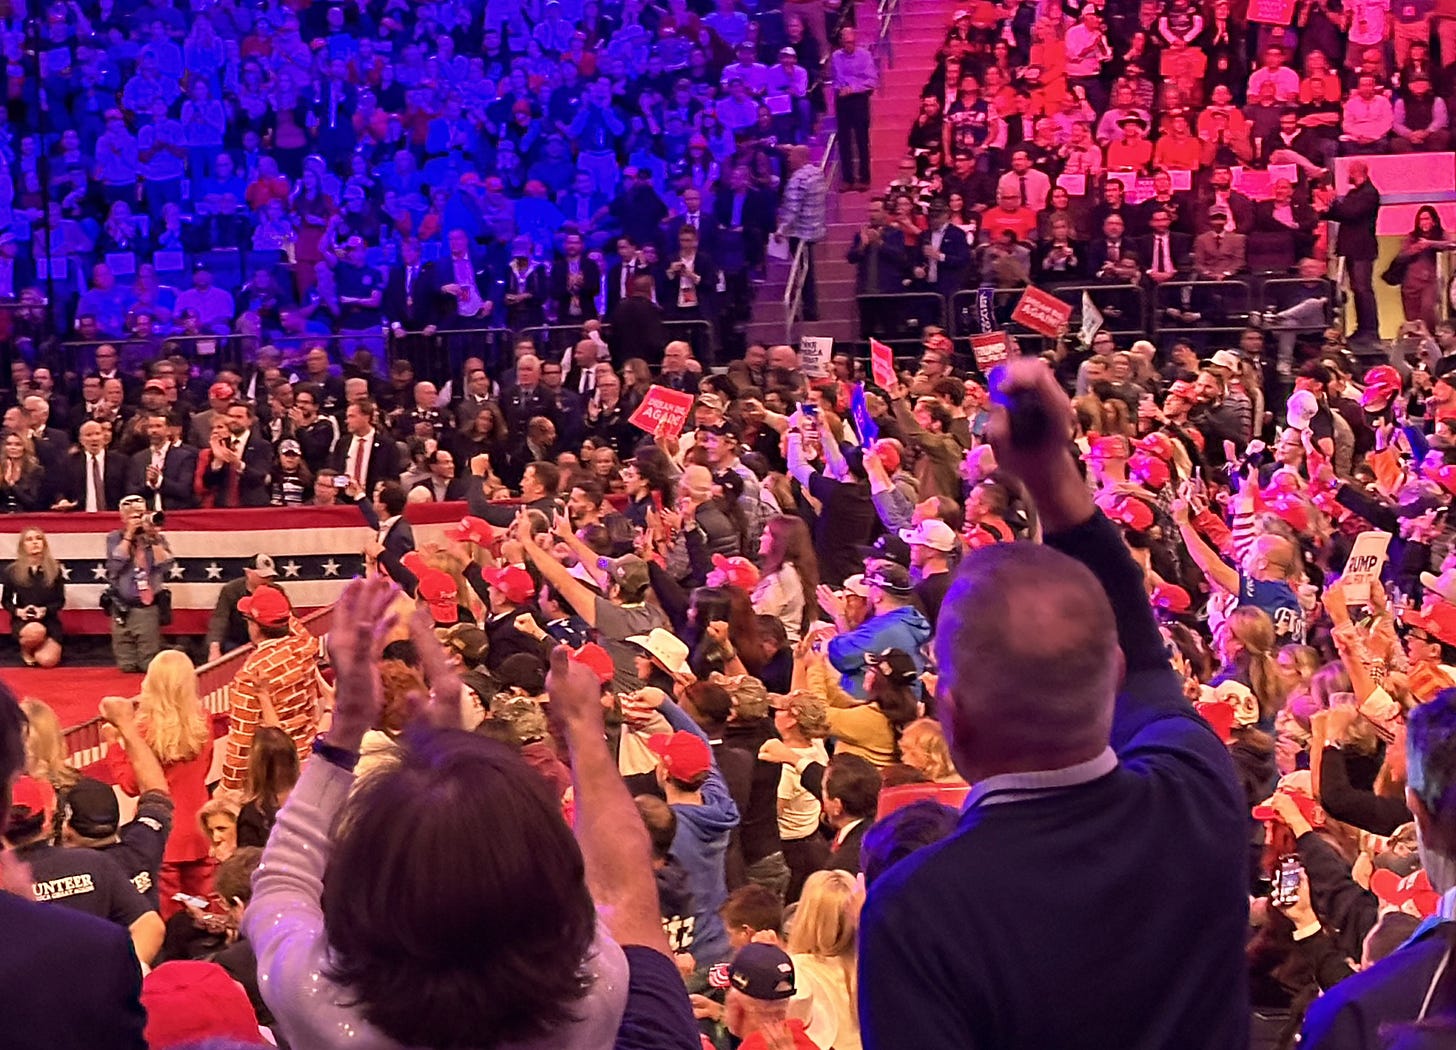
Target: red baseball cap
<point x="267" y="606"/>
<point x="1107" y="448"/>
<point x="1159" y="445"/>
<point x="1171" y="597"/>
<point x="1415" y="889"/>
<point x="33" y="795"/>
<point x="188" y="1001"/>
<point x="1292" y="509"/>
<point x="1184" y="390"/>
<point x="1148" y="469"/>
<point x="1296" y="786"/>
<point x="1220" y="716"/>
<point x="221" y="392"/>
<point x="1128" y="510"/>
<point x="684" y="755"/>
<point x="889" y="455"/>
<point x="512" y="581"/>
<point x="471" y="530"/>
<point x="596" y="659"/>
<point x="738" y="571"/>
<point x="437" y="590"/>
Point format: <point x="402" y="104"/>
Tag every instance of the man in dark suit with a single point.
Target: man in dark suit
<point x="365" y="454"/>
<point x="1222" y="195"/>
<point x="619" y="275"/>
<point x="851" y="796"/>
<point x="693" y="215"/>
<point x="51" y="443"/>
<point x="880" y="260"/>
<point x="1356" y="244"/>
<point x="1165" y="251"/>
<point x="240" y="468"/>
<point x="1112" y="257"/>
<point x="527" y="397"/>
<point x="411" y="292"/>
<point x="1395" y="990"/>
<point x="1164" y="198"/>
<point x="443" y="484"/>
<point x="744" y="218"/>
<point x="945" y="255"/>
<point x="1283" y="230"/>
<point x="93" y="478"/>
<point x="162" y="473"/>
<point x="637" y="329"/>
<point x="690" y="282"/>
<point x="576" y="281"/>
<point x="395" y="538"/>
<point x="99" y="1004"/>
<point x="107" y="360"/>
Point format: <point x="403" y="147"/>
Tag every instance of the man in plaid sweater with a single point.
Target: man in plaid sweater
<point x="278" y="685"/>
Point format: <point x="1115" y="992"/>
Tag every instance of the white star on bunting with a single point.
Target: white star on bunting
<point x="331" y="568"/>
<point x="291" y="569"/>
<point x="214" y="571"/>
<point x="177" y="571"/>
<point x="98" y="571"/>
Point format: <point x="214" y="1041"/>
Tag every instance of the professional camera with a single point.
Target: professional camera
<point x="155" y="517"/>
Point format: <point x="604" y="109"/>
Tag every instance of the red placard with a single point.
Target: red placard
<point x="882" y="364"/>
<point x="663" y="407"/>
<point x="1042" y="312"/>
<point x="990" y="348"/>
<point x="1277" y="12"/>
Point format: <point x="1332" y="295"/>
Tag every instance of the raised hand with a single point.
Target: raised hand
<point x="362" y="622"/>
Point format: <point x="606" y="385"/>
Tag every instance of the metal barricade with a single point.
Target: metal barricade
<point x="1292" y="303"/>
<point x="899" y="317"/>
<point x="22" y="322"/>
<point x="1201" y="307"/>
<point x="440" y="355"/>
<point x="1123" y="308"/>
<point x="697" y="334"/>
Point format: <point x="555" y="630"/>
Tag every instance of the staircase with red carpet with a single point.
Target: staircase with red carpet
<point x="916" y="33"/>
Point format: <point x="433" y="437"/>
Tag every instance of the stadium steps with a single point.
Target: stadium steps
<point x="917" y="35"/>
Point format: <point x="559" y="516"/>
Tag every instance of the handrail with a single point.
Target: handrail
<point x="85" y="743"/>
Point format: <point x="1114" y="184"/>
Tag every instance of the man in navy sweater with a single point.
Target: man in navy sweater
<point x="1350" y="1015"/>
<point x="1093" y="894"/>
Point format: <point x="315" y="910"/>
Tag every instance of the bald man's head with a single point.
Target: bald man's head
<point x="1029" y="662"/>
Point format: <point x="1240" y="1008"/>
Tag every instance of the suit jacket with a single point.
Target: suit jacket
<point x="1241" y="206"/>
<point x="614" y="283"/>
<point x="707" y="288"/>
<point x="637" y="331"/>
<point x="383" y="459"/>
<point x="398" y="542"/>
<point x="1349" y="1015"/>
<point x="846" y="857"/>
<point x="950" y="275"/>
<point x="98" y="1005"/>
<point x="1214" y="256"/>
<point x="418" y="307"/>
<point x="742" y="244"/>
<point x="72" y="480"/>
<point x="591" y="287"/>
<point x="252" y="475"/>
<point x="1180" y="245"/>
<point x="1274" y="246"/>
<point x="178" y="468"/>
<point x="1097" y="254"/>
<point x="891" y="264"/>
<point x="1355" y="212"/>
<point x="1178" y="206"/>
<point x="531" y="312"/>
<point x="455" y="488"/>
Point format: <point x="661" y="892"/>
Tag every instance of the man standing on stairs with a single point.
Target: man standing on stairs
<point x="801" y="219"/>
<point x="854" y="77"/>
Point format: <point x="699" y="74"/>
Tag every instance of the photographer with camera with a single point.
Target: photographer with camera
<point x="137" y="558"/>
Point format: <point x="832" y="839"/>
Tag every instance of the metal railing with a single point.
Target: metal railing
<point x="1203" y="307"/>
<point x="214" y="350"/>
<point x="85" y="743"/>
<point x="900" y="316"/>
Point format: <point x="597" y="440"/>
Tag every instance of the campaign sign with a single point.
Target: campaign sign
<point x="990" y="348"/>
<point x="1367" y="558"/>
<point x="814" y="354"/>
<point x="663" y="407"/>
<point x="1042" y="312"/>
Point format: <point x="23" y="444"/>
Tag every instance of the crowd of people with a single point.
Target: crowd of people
<point x="1106" y="700"/>
<point x="379" y="170"/>
<point x="1155" y="145"/>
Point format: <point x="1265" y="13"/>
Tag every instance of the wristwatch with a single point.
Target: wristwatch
<point x="341" y="757"/>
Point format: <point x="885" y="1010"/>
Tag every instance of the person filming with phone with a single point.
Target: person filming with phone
<point x="137" y="560"/>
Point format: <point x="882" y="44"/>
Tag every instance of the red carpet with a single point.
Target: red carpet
<point x="74" y="692"/>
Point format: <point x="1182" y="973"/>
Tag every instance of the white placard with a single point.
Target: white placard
<point x="814" y="354"/>
<point x="1367" y="558"/>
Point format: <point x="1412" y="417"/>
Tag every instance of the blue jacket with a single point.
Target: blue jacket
<point x="701" y="847"/>
<point x="905" y="628"/>
<point x="1349" y="1016"/>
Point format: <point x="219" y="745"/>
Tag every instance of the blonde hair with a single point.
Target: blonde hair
<point x="215" y="806"/>
<point x="170" y="714"/>
<point x="45" y="746"/>
<point x="826" y="924"/>
<point x="1252" y="628"/>
<point x="49" y="569"/>
<point x="927" y="734"/>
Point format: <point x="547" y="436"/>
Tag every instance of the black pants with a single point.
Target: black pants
<point x="1362" y="287"/>
<point x="853" y="114"/>
<point x="809" y="306"/>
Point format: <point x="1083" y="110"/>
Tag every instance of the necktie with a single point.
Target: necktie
<point x="96" y="500"/>
<point x="1218" y="242"/>
<point x="1024" y="199"/>
<point x="357" y="470"/>
<point x="693" y="221"/>
<point x="1114" y="251"/>
<point x="1162" y="266"/>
